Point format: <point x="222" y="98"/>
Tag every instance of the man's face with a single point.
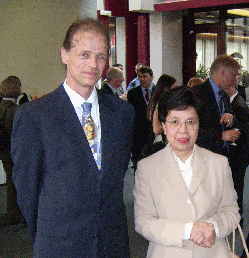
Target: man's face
<point x="118" y="81"/>
<point x="86" y="59"/>
<point x="145" y="79"/>
<point x="228" y="78"/>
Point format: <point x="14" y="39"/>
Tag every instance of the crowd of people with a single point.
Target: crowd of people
<point x="67" y="152"/>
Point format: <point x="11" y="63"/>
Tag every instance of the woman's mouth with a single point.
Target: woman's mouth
<point x="183" y="140"/>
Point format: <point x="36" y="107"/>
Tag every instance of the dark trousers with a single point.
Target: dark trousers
<point x="13" y="211"/>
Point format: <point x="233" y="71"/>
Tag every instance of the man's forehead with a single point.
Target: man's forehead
<point x="143" y="74"/>
<point x="81" y="36"/>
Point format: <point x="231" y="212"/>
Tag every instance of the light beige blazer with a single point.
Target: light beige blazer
<point x="163" y="204"/>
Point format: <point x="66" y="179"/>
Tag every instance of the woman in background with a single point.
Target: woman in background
<point x="157" y="138"/>
<point x="10" y="89"/>
<point x="184" y="194"/>
<point x="195" y="81"/>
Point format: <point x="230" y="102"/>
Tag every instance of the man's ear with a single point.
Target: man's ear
<point x="64" y="55"/>
<point x="223" y="71"/>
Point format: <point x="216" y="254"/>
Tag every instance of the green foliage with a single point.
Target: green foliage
<point x="202" y="72"/>
<point x="243" y="76"/>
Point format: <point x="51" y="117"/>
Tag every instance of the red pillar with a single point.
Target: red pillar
<point x="143" y="39"/>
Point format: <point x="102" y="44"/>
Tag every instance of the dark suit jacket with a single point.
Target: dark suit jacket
<point x="241" y="112"/>
<point x="7" y="111"/>
<point x="71" y="208"/>
<point x="142" y="127"/>
<point x="210" y="129"/>
<point x="105" y="88"/>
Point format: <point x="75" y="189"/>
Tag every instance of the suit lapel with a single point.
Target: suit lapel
<point x="197" y="175"/>
<point x="211" y="101"/>
<point x="64" y="113"/>
<point x="107" y="111"/>
<point x="141" y="96"/>
<point x="173" y="172"/>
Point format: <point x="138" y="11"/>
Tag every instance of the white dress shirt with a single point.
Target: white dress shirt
<point x="77" y="101"/>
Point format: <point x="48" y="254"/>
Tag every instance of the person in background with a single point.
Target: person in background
<point x="10" y="89"/>
<point x="184" y="195"/>
<point x="120" y="66"/>
<point x="120" y="90"/>
<point x="114" y="80"/>
<point x="215" y="132"/>
<point x="140" y="97"/>
<point x="239" y="152"/>
<point x="71" y="149"/>
<point x="135" y="82"/>
<point x="157" y="139"/>
<point x="22" y="98"/>
<point x="195" y="81"/>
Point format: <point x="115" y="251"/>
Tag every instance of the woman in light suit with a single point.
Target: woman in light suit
<point x="184" y="195"/>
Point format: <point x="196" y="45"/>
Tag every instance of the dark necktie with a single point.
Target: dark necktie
<point x="147" y="96"/>
<point x="116" y="94"/>
<point x="221" y="102"/>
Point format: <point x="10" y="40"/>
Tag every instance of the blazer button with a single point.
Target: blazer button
<point x="95" y="236"/>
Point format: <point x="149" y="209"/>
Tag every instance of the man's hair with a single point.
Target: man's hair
<point x="10" y="87"/>
<point x="224" y="61"/>
<point x="179" y="98"/>
<point x="146" y="69"/>
<point x="139" y="64"/>
<point x="86" y="25"/>
<point x="117" y="65"/>
<point x="113" y="72"/>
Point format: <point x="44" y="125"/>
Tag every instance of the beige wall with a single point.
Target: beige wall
<point x="31" y="35"/>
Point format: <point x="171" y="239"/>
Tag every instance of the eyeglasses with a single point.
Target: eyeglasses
<point x="175" y="124"/>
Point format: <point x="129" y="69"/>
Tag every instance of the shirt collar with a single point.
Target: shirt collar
<point x="232" y="98"/>
<point x="11" y="99"/>
<point x="76" y="99"/>
<point x="150" y="88"/>
<point x="188" y="163"/>
<point x="114" y="90"/>
<point x="215" y="87"/>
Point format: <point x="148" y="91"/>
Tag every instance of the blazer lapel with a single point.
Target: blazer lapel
<point x="107" y="111"/>
<point x="173" y="173"/>
<point x="64" y="113"/>
<point x="197" y="175"/>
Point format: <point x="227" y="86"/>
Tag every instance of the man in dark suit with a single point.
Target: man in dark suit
<point x="214" y="132"/>
<point x="139" y="97"/>
<point x="70" y="185"/>
<point x="114" y="80"/>
<point x="240" y="152"/>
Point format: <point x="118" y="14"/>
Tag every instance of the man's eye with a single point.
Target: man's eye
<point x="174" y="122"/>
<point x="103" y="58"/>
<point x="191" y="122"/>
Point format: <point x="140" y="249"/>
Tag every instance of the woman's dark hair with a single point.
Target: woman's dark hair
<point x="164" y="83"/>
<point x="10" y="87"/>
<point x="179" y="98"/>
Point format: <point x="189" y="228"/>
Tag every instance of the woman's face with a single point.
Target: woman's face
<point x="182" y="140"/>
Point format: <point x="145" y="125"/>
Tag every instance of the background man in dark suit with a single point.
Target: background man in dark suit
<point x="71" y="192"/>
<point x="139" y="97"/>
<point x="114" y="80"/>
<point x="216" y="110"/>
<point x="240" y="152"/>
